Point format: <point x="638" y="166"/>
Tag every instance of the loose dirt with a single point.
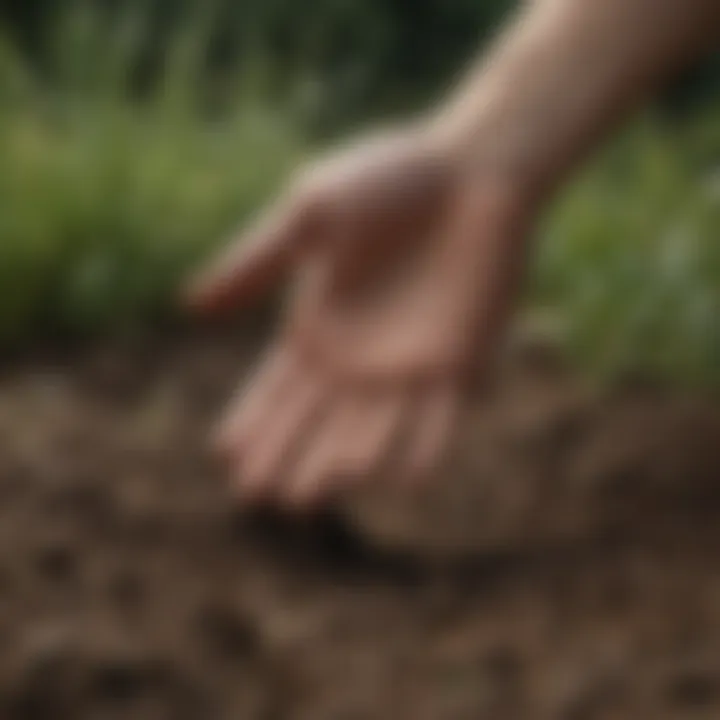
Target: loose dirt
<point x="567" y="566"/>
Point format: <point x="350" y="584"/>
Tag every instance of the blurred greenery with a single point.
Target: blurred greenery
<point x="629" y="260"/>
<point x="346" y="57"/>
<point x="105" y="201"/>
<point x="135" y="136"/>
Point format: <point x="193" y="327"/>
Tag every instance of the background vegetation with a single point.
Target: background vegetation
<point x="134" y="136"/>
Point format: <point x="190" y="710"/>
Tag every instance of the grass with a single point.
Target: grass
<point x="629" y="260"/>
<point x="107" y="200"/>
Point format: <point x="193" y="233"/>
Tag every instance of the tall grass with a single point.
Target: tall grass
<point x="629" y="260"/>
<point x="107" y="198"/>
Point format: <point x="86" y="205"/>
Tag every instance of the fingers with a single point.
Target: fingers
<point x="313" y="474"/>
<point x="257" y="262"/>
<point x="354" y="444"/>
<point x="279" y="439"/>
<point x="257" y="400"/>
<point x="294" y="442"/>
<point x="434" y="421"/>
<point x="370" y="433"/>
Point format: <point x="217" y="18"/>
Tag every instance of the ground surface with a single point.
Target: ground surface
<point x="568" y="567"/>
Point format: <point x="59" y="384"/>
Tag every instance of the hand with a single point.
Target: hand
<point x="403" y="269"/>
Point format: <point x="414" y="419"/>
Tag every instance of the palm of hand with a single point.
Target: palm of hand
<point x="366" y="378"/>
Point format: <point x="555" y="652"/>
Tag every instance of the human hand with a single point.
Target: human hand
<point x="404" y="267"/>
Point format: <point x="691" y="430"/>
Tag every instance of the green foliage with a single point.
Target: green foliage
<point x="374" y="55"/>
<point x="345" y="58"/>
<point x="630" y="261"/>
<point x="107" y="201"/>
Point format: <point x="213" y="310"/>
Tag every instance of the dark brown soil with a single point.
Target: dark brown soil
<point x="567" y="568"/>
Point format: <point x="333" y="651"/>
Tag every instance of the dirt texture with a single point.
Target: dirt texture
<point x="566" y="567"/>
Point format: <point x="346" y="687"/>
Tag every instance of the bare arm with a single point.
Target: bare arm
<point x="564" y="75"/>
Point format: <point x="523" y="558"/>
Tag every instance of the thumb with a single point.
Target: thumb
<point x="253" y="264"/>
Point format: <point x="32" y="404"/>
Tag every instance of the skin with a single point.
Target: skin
<point x="405" y="250"/>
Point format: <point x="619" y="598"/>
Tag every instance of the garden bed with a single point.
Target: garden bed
<point x="565" y="567"/>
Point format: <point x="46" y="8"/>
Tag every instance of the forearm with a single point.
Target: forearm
<point x="564" y="75"/>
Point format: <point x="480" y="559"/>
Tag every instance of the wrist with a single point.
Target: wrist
<point x="490" y="156"/>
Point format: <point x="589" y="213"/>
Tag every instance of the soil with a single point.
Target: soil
<point x="567" y="566"/>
